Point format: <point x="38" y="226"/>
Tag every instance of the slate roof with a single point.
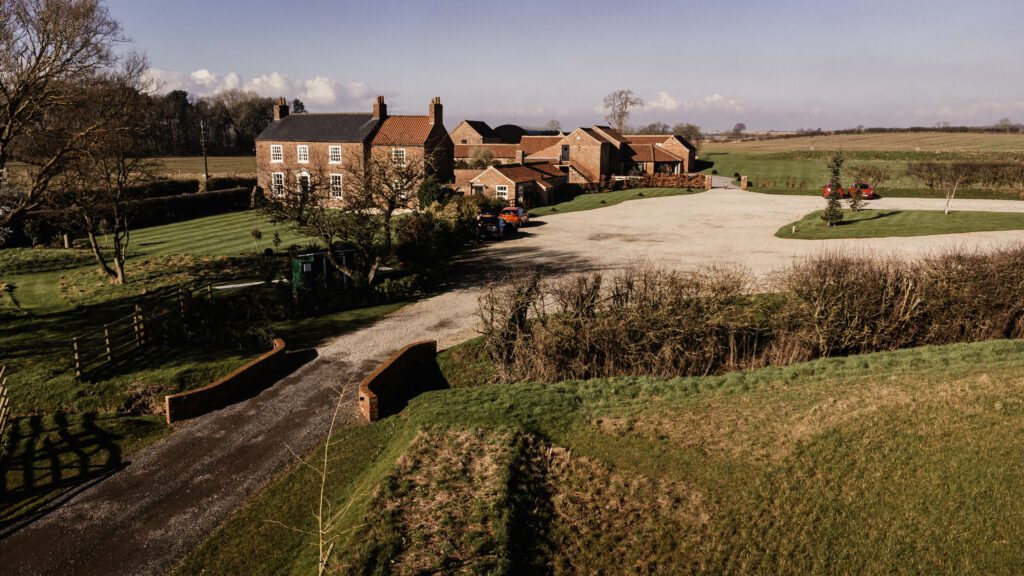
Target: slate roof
<point x="403" y="131"/>
<point x="610" y="134"/>
<point x="307" y="127"/>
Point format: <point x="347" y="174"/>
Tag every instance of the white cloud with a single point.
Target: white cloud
<point x="319" y="92"/>
<point x="663" y="102"/>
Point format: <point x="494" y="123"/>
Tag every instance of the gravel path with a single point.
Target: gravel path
<point x="145" y="518"/>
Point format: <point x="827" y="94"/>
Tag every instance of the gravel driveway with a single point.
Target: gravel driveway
<point x="145" y="518"/>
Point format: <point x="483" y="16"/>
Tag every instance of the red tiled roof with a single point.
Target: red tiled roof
<point x="518" y="173"/>
<point x="658" y="139"/>
<point x="534" y="144"/>
<point x="548" y="168"/>
<point x="499" y="150"/>
<point x="594" y="134"/>
<point x="648" y="153"/>
<point x="610" y="134"/>
<point x="403" y="131"/>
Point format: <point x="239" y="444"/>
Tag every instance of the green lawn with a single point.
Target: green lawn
<point x="885" y="223"/>
<point x="66" y="431"/>
<point x="603" y="199"/>
<point x="891" y="463"/>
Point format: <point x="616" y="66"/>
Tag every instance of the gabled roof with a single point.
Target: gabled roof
<point x="481" y="127"/>
<point x="519" y="173"/>
<point x="648" y="153"/>
<point x="658" y="139"/>
<point x="610" y="134"/>
<point x="403" y="131"/>
<point x="534" y="144"/>
<point x="595" y="135"/>
<point x="309" y="127"/>
<point x="498" y="150"/>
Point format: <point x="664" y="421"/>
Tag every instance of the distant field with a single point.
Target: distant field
<point x="906" y="142"/>
<point x="192" y="166"/>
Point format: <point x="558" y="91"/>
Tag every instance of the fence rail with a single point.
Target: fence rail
<point x="5" y="403"/>
<point x="95" y="349"/>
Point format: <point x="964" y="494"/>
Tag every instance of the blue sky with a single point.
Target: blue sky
<point x="783" y="64"/>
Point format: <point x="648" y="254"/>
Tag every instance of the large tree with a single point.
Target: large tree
<point x="619" y="103"/>
<point x="95" y="188"/>
<point x="51" y="53"/>
<point x="693" y="134"/>
<point x="359" y="216"/>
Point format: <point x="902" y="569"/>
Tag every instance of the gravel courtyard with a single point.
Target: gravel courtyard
<point x="146" y="517"/>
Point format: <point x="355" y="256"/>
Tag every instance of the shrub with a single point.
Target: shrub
<point x="228" y="182"/>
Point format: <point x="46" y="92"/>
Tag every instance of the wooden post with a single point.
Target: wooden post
<point x="78" y="358"/>
<point x="137" y="326"/>
<point x="4" y="402"/>
<point x="209" y="291"/>
<point x="106" y="340"/>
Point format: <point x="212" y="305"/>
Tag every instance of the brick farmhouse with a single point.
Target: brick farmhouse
<point x="309" y="149"/>
<point x="520" y="184"/>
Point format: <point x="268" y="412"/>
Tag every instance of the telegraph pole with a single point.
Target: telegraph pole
<point x="206" y="164"/>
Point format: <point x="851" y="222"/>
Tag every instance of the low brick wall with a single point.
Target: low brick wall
<point x="237" y="385"/>
<point x="410" y="372"/>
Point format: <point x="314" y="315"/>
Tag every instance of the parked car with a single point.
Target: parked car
<point x="490" y="226"/>
<point x="867" y="191"/>
<point x="515" y="216"/>
<point x="826" y="191"/>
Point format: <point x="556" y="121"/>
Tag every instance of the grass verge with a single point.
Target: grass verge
<point x="605" y="199"/>
<point x="891" y="223"/>
<point x="901" y="462"/>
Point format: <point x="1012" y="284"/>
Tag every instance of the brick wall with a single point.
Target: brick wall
<point x="238" y="385"/>
<point x="407" y="374"/>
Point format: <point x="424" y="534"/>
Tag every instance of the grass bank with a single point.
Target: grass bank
<point x="892" y="223"/>
<point x="604" y="199"/>
<point x="900" y="462"/>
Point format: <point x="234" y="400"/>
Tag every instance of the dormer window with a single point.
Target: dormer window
<point x="276" y="153"/>
<point x="302" y="153"/>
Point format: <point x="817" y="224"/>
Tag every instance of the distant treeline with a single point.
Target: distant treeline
<point x="1003" y="129"/>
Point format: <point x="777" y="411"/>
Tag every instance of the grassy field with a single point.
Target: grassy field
<point x="901" y="142"/>
<point x="884" y="223"/>
<point x="192" y="166"/>
<point x="891" y="463"/>
<point x="604" y="199"/>
<point x="798" y="165"/>
<point x="67" y="431"/>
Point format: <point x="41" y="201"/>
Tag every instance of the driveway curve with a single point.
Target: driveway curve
<point x="172" y="495"/>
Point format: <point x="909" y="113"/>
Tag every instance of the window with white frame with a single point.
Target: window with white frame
<point x="334" y="154"/>
<point x="302" y="153"/>
<point x="501" y="191"/>
<point x="398" y="157"/>
<point x="277" y="184"/>
<point x="336" y="186"/>
<point x="276" y="153"/>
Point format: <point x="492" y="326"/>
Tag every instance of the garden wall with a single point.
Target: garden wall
<point x="410" y="372"/>
<point x="238" y="385"/>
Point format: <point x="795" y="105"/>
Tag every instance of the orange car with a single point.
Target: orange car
<point x="515" y="216"/>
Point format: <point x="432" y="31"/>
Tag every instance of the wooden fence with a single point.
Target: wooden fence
<point x="5" y="403"/>
<point x="114" y="340"/>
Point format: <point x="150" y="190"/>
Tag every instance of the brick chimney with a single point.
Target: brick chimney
<point x="436" y="111"/>
<point x="280" y="109"/>
<point x="520" y="156"/>
<point x="380" y="109"/>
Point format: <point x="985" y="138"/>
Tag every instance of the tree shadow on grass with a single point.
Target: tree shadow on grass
<point x="878" y="215"/>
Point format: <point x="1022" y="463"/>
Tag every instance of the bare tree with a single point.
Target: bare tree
<point x="553" y="124"/>
<point x="358" y="216"/>
<point x="97" y="180"/>
<point x="738" y="129"/>
<point x="619" y="103"/>
<point x="949" y="177"/>
<point x="49" y="50"/>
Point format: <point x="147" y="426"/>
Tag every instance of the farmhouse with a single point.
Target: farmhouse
<point x="311" y="150"/>
<point x="520" y="184"/>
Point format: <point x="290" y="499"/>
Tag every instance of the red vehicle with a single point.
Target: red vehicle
<point x="515" y="216"/>
<point x="867" y="191"/>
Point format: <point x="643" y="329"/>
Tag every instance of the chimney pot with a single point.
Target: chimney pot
<point x="280" y="109"/>
<point x="436" y="111"/>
